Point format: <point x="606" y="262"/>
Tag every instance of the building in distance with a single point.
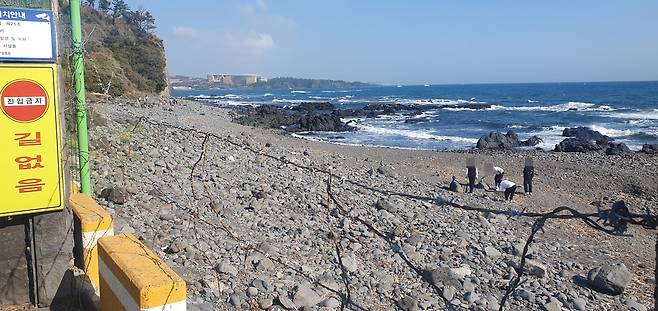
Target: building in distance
<point x="232" y="80"/>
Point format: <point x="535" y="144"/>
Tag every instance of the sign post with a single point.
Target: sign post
<point x="27" y="35"/>
<point x="30" y="136"/>
<point x="80" y="97"/>
<point x="34" y="223"/>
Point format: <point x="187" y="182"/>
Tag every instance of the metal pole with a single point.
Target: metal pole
<point x="80" y="101"/>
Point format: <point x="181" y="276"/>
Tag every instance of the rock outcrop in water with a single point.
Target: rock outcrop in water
<point x="584" y="139"/>
<point x="299" y="119"/>
<point x="325" y="117"/>
<point x="499" y="141"/>
<point x="586" y="133"/>
<point x="650" y="148"/>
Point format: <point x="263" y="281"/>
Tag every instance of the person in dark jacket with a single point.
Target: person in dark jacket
<point x="472" y="174"/>
<point x="528" y="174"/>
<point x="454" y="185"/>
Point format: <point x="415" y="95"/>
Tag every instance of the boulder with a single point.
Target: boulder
<point x="115" y="195"/>
<point x="265" y="116"/>
<point x="499" y="141"/>
<point x="322" y="123"/>
<point x="586" y="133"/>
<point x="532" y="141"/>
<point x="610" y="279"/>
<point x="408" y="304"/>
<point x="306" y="297"/>
<point x="578" y="145"/>
<point x="617" y="149"/>
<point x="650" y="148"/>
<point x="442" y="276"/>
<point x="386" y="171"/>
<point x="385" y="205"/>
<point x="326" y="106"/>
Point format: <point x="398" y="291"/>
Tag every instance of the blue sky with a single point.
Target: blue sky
<point x="412" y="42"/>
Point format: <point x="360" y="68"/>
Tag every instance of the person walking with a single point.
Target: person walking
<point x="472" y="174"/>
<point x="498" y="177"/>
<point x="528" y="174"/>
<point x="509" y="188"/>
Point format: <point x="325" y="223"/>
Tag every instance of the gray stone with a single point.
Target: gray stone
<point x="442" y="276"/>
<point x="383" y="204"/>
<point x="535" y="268"/>
<point x="491" y="252"/>
<point x="462" y="271"/>
<point x="226" y="268"/>
<point x="526" y="295"/>
<point x="552" y="306"/>
<point x="350" y="263"/>
<point x="265" y="264"/>
<point x="449" y="292"/>
<point x="580" y="304"/>
<point x="252" y="291"/>
<point x="408" y="304"/>
<point x="331" y="302"/>
<point x="610" y="279"/>
<point x="235" y="300"/>
<point x="287" y="303"/>
<point x="305" y="297"/>
<point x="200" y="307"/>
<point x="115" y="195"/>
<point x="386" y="171"/>
<point x="265" y="303"/>
<point x="634" y="305"/>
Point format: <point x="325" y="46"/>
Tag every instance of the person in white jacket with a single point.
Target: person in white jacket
<point x="509" y="188"/>
<point x="498" y="177"/>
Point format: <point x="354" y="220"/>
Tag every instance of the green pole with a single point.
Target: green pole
<point x="80" y="101"/>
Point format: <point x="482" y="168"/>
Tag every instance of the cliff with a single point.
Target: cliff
<point x="122" y="55"/>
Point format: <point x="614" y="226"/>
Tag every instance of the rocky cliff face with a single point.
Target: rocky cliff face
<point x="122" y="55"/>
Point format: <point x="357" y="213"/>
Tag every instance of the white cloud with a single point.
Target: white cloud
<point x="261" y="42"/>
<point x="258" y="14"/>
<point x="261" y="4"/>
<point x="185" y="32"/>
<point x="250" y="43"/>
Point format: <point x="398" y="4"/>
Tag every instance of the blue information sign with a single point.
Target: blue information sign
<point x="27" y="35"/>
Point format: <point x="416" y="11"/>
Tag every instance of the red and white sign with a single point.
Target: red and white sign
<point x="24" y="101"/>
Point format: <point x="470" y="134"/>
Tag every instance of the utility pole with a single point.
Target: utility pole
<point x="80" y="100"/>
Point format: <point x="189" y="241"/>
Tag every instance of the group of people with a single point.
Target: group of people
<point x="508" y="186"/>
<point x="501" y="184"/>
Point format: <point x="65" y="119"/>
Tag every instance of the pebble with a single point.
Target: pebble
<point x="226" y="268"/>
<point x="265" y="303"/>
<point x="580" y="304"/>
<point x="287" y="303"/>
<point x="252" y="291"/>
<point x="235" y="300"/>
<point x="331" y="302"/>
<point x="492" y="252"/>
<point x="350" y="263"/>
<point x="283" y="211"/>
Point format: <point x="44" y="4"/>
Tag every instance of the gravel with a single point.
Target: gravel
<point x="247" y="229"/>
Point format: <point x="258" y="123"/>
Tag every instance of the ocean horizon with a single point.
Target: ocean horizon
<point x="626" y="111"/>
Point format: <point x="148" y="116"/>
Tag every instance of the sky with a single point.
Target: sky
<point x="412" y="42"/>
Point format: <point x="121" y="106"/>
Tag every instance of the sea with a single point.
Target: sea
<point x="626" y="111"/>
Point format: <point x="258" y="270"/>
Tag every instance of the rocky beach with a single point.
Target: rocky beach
<point x="255" y="219"/>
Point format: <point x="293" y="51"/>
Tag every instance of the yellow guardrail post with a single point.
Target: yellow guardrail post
<point x="132" y="277"/>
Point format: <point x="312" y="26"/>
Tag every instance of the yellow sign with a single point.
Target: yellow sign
<point x="32" y="179"/>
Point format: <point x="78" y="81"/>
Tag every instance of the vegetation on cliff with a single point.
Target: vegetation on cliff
<point x="122" y="55"/>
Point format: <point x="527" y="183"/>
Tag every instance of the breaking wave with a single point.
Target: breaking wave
<point x="413" y="134"/>
<point x="570" y="106"/>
